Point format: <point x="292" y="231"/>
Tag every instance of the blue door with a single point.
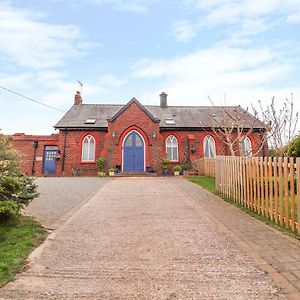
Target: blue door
<point x="50" y="153"/>
<point x="133" y="158"/>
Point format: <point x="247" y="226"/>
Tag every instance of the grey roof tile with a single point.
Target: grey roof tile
<point x="184" y="116"/>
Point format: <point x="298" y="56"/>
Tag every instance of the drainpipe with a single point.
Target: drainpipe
<point x="35" y="145"/>
<point x="64" y="155"/>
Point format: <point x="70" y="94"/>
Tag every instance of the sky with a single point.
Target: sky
<point x="233" y="52"/>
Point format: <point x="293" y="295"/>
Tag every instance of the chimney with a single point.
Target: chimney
<point x="163" y="100"/>
<point x="78" y="99"/>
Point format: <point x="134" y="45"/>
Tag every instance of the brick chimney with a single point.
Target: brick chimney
<point x="163" y="100"/>
<point x="78" y="99"/>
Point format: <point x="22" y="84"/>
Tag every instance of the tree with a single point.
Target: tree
<point x="233" y="125"/>
<point x="276" y="125"/>
<point x="16" y="190"/>
<point x="282" y="122"/>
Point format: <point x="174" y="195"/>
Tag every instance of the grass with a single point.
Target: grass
<point x="209" y="184"/>
<point x="18" y="238"/>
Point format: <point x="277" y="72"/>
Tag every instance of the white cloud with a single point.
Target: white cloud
<point x="30" y="42"/>
<point x="134" y="6"/>
<point x="243" y="18"/>
<point x="244" y="75"/>
<point x="184" y="31"/>
<point x="110" y="80"/>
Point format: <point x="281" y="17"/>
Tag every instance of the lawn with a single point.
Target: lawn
<point x="207" y="182"/>
<point x="17" y="239"/>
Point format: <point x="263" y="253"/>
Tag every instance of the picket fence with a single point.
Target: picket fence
<point x="268" y="186"/>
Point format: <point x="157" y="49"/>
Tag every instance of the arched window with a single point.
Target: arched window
<point x="209" y="146"/>
<point x="88" y="148"/>
<point x="246" y="147"/>
<point x="172" y="148"/>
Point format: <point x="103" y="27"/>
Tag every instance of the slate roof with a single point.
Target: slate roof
<point x="184" y="116"/>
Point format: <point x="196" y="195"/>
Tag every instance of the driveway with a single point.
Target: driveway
<point x="141" y="238"/>
<point x="61" y="196"/>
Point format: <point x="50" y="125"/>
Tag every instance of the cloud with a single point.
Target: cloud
<point x="184" y="31"/>
<point x="243" y="75"/>
<point x="242" y="19"/>
<point x="133" y="6"/>
<point x="110" y="80"/>
<point x="28" y="41"/>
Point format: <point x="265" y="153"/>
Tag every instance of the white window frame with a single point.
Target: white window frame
<point x="88" y="138"/>
<point x="172" y="138"/>
<point x="246" y="142"/>
<point x="209" y="139"/>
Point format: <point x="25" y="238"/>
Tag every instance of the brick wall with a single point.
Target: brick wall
<point x="109" y="144"/>
<point x="24" y="145"/>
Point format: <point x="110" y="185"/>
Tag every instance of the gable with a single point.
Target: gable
<point x="132" y="102"/>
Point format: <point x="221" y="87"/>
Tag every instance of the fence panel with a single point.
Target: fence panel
<point x="267" y="186"/>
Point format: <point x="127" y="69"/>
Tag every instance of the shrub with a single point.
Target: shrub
<point x="8" y="209"/>
<point x="165" y="164"/>
<point x="16" y="190"/>
<point x="100" y="162"/>
<point x="177" y="169"/>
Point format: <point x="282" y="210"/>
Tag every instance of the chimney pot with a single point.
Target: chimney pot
<point x="77" y="99"/>
<point x="163" y="100"/>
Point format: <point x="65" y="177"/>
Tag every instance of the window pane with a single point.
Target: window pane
<point x="169" y="142"/>
<point x="138" y="141"/>
<point x="128" y="142"/>
<point x="212" y="149"/>
<point x="85" y="151"/>
<point x="92" y="151"/>
<point x="175" y="153"/>
<point x="169" y="153"/>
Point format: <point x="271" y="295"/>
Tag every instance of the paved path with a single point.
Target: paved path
<point x="142" y="238"/>
<point x="61" y="196"/>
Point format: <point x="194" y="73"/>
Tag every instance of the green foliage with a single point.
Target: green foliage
<point x="177" y="169"/>
<point x="7" y="209"/>
<point x="17" y="238"/>
<point x="187" y="166"/>
<point x="100" y="162"/>
<point x="165" y="164"/>
<point x="16" y="190"/>
<point x="111" y="170"/>
<point x="101" y="174"/>
<point x="293" y="148"/>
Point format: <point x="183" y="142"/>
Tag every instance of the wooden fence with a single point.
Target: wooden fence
<point x="268" y="186"/>
<point x="205" y="166"/>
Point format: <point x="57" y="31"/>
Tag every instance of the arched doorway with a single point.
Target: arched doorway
<point x="133" y="152"/>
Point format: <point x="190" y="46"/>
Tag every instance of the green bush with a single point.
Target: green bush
<point x="7" y="209"/>
<point x="177" y="169"/>
<point x="100" y="162"/>
<point x="165" y="164"/>
<point x="16" y="190"/>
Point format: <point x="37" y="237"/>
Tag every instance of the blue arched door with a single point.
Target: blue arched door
<point x="133" y="153"/>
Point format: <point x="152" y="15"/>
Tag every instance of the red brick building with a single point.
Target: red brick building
<point x="131" y="137"/>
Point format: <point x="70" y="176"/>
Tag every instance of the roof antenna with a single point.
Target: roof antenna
<point x="81" y="85"/>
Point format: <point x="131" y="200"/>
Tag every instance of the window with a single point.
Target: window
<point x="246" y="147"/>
<point x="169" y="121"/>
<point x="88" y="148"/>
<point x="90" y="121"/>
<point x="209" y="146"/>
<point x="172" y="148"/>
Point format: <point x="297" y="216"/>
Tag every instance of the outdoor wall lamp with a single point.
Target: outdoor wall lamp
<point x="113" y="134"/>
<point x="154" y="134"/>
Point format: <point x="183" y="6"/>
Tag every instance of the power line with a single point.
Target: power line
<point x="30" y="99"/>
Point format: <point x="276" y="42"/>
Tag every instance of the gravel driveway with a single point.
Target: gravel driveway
<point x="140" y="238"/>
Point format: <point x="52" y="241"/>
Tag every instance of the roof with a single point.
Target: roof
<point x="183" y="116"/>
